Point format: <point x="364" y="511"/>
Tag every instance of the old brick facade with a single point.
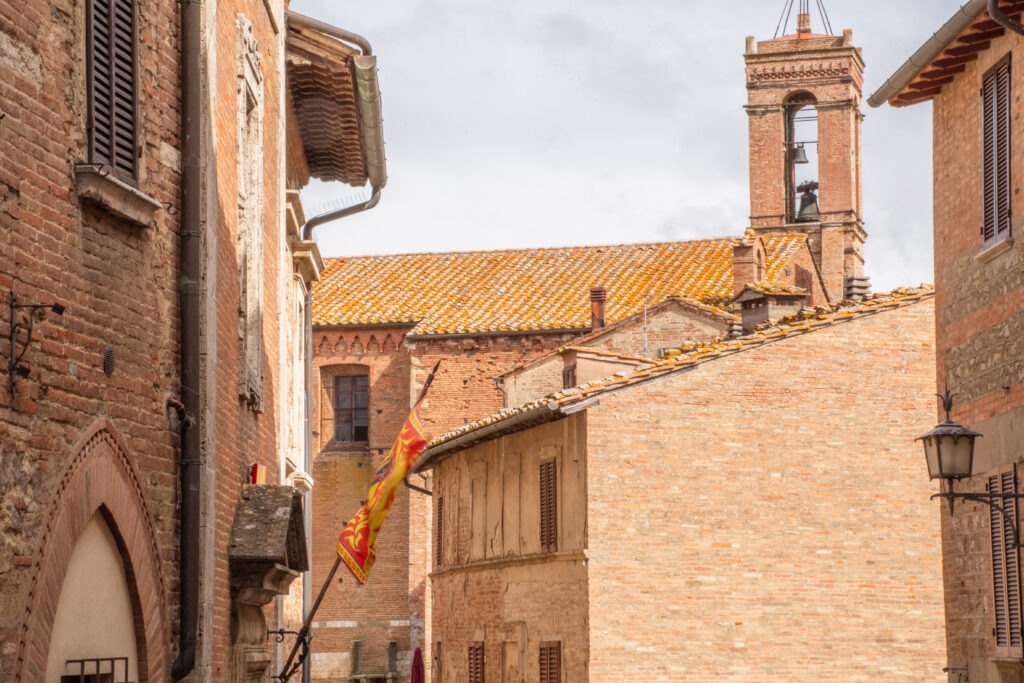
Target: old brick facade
<point x="73" y="440"/>
<point x="706" y="525"/>
<point x="980" y="320"/>
<point x="90" y="428"/>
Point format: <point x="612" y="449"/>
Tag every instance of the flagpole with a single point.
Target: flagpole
<point x="303" y="635"/>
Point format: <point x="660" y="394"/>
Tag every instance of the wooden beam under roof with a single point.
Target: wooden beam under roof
<point x="935" y="74"/>
<point x="971" y="38"/>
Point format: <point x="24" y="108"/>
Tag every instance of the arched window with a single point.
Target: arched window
<point x="801" y="157"/>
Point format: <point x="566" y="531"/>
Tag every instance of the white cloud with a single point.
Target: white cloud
<point x="552" y="122"/>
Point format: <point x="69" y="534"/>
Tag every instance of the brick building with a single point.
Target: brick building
<point x="148" y="150"/>
<point x="512" y="325"/>
<point x="970" y="73"/>
<point x="699" y="518"/>
<point x="381" y="323"/>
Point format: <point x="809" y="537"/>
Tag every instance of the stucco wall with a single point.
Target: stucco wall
<point x="493" y="584"/>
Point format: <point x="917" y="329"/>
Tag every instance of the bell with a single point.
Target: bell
<point x="808" y="207"/>
<point x="800" y="154"/>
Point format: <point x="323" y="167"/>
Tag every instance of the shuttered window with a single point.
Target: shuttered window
<point x="439" y="533"/>
<point x="995" y="95"/>
<point x="111" y="63"/>
<point x="438" y="664"/>
<point x="476" y="662"/>
<point x="1005" y="567"/>
<point x="551" y="662"/>
<point x="549" y="506"/>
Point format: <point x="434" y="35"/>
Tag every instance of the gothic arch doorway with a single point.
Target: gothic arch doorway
<point x="98" y="518"/>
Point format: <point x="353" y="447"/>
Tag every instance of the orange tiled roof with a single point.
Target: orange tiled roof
<point x="529" y="289"/>
<point x="562" y="402"/>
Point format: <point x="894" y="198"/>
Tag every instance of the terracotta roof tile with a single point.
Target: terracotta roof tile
<point x="688" y="356"/>
<point x="529" y="289"/>
<point x="322" y="90"/>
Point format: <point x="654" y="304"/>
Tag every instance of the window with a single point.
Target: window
<point x="549" y="506"/>
<point x="476" y="662"/>
<point x="569" y="376"/>
<point x="352" y="408"/>
<point x="250" y="217"/>
<point x="1005" y="567"/>
<point x="995" y="96"/>
<point x="439" y="532"/>
<point x="438" y="668"/>
<point x="111" y="66"/>
<point x="551" y="662"/>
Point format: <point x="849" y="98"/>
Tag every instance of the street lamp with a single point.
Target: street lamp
<point x="949" y="452"/>
<point x="949" y="447"/>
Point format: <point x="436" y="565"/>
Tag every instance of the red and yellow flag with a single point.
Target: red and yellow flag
<point x="357" y="544"/>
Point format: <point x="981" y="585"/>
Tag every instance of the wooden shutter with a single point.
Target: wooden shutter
<point x="549" y="506"/>
<point x="996" y="201"/>
<point x="111" y="40"/>
<point x="439" y="533"/>
<point x="476" y="663"/>
<point x="1006" y="588"/>
<point x="551" y="662"/>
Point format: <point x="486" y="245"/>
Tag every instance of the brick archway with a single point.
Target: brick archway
<point x="99" y="477"/>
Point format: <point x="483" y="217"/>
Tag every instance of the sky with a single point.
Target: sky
<point x="544" y="123"/>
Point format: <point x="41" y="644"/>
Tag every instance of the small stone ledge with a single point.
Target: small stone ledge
<point x="115" y="196"/>
<point x="989" y="253"/>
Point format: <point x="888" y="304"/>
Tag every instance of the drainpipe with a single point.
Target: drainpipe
<point x="1002" y="19"/>
<point x="189" y="274"/>
<point x="371" y="132"/>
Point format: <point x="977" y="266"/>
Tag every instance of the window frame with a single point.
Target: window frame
<point x="550" y="652"/>
<point x="106" y="155"/>
<point x="475" y="662"/>
<point x="439" y="533"/>
<point x="547" y="471"/>
<point x="996" y="152"/>
<point x="354" y="397"/>
<point x="1007" y="613"/>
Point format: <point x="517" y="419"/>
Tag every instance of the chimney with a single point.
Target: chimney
<point x="597" y="297"/>
<point x="748" y="262"/>
<point x="770" y="305"/>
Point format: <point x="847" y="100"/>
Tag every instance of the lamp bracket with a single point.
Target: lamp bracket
<point x="23" y="324"/>
<point x="990" y="500"/>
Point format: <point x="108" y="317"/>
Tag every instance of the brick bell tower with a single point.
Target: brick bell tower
<point x="803" y="103"/>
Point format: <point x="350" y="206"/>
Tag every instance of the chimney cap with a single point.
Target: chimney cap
<point x="598" y="293"/>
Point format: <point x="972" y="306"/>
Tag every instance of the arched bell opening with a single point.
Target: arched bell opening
<point x="801" y="157"/>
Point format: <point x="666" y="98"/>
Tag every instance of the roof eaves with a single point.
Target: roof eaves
<point x="578" y="398"/>
<point x="927" y="52"/>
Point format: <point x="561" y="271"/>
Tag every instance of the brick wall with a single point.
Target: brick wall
<point x="730" y="538"/>
<point x="980" y="324"/>
<point x="237" y="435"/>
<point x="394" y="604"/>
<point x="118" y="283"/>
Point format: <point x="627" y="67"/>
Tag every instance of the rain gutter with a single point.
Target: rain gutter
<point x="1003" y="19"/>
<point x="929" y="51"/>
<point x="371" y="125"/>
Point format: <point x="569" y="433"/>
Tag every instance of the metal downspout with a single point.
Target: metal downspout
<point x="189" y="274"/>
<point x="1002" y="19"/>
